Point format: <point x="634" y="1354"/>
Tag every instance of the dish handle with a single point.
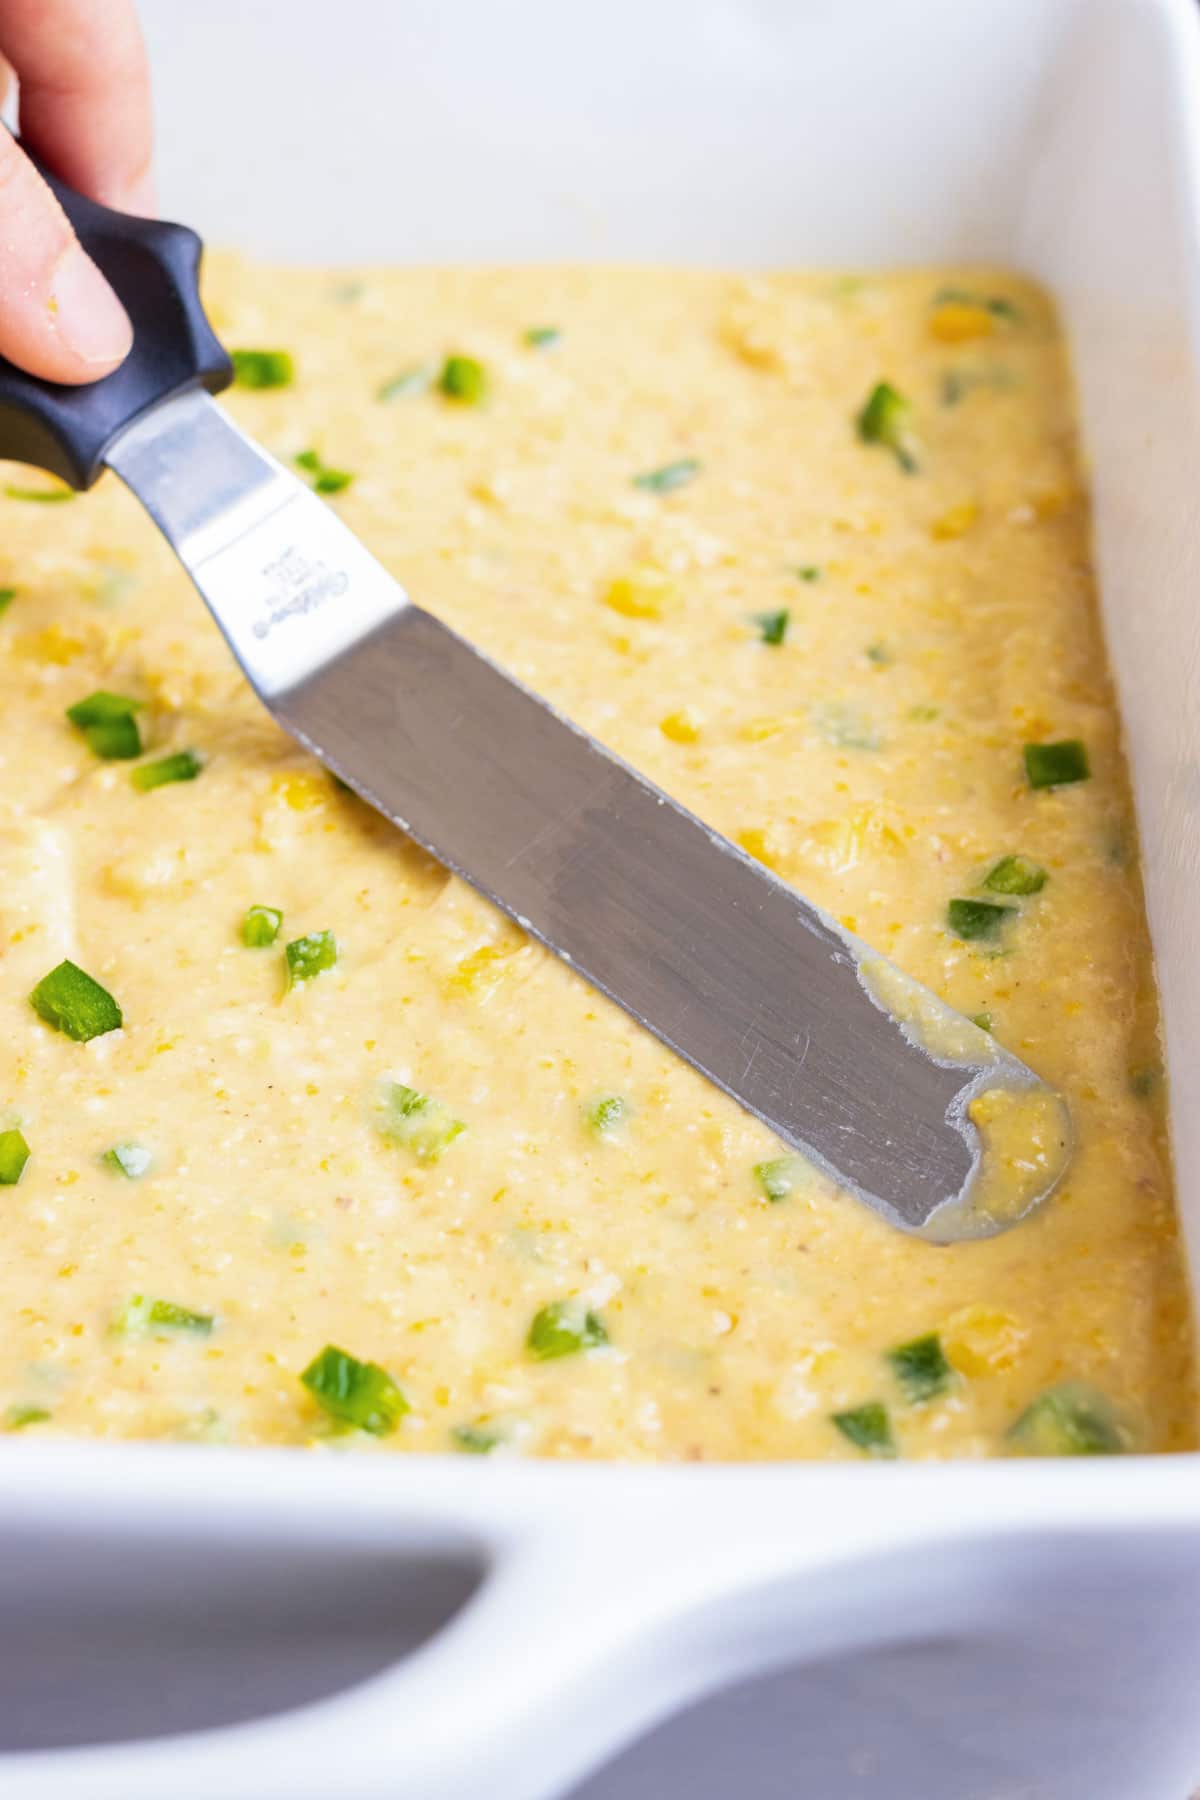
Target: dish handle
<point x="576" y="1641"/>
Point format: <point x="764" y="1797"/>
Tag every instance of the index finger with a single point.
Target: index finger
<point x="85" y="94"/>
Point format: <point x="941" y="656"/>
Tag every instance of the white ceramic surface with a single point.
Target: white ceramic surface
<point x="1013" y="1631"/>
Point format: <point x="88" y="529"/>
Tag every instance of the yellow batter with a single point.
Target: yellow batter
<point x="829" y="621"/>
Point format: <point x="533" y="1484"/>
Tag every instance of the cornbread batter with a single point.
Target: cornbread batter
<point x="308" y="1145"/>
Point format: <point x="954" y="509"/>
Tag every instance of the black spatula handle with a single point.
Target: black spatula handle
<point x="155" y="268"/>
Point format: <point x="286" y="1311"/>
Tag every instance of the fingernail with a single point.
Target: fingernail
<point x="86" y="314"/>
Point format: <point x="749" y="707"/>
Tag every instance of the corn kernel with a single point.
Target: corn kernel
<point x="301" y="789"/>
<point x="769" y="725"/>
<point x="957" y="321"/>
<point x="52" y="645"/>
<point x="982" y="1340"/>
<point x="762" y="844"/>
<point x="681" y="727"/>
<point x="956" y="522"/>
<point x="642" y="594"/>
<point x="479" y="973"/>
<point x="841" y="844"/>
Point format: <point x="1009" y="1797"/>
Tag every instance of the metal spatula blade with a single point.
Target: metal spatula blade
<point x="868" y="1074"/>
<point x="757" y="988"/>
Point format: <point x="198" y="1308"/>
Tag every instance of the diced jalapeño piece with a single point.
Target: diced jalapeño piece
<point x="884" y="420"/>
<point x="1145" y="1080"/>
<point x="772" y="626"/>
<point x="464" y="379"/>
<point x="361" y="1394"/>
<point x="14" y="1154"/>
<point x="1016" y="875"/>
<point x="69" y="1000"/>
<point x="183" y="765"/>
<point x="972" y="919"/>
<point x="260" y="927"/>
<point x="325" y="480"/>
<point x="921" y="1368"/>
<point x="310" y="956"/>
<point x="779" y="1176"/>
<point x="416" y="1121"/>
<point x="18" y="1417"/>
<point x="474" y="1440"/>
<point x="868" y="1428"/>
<point x="262" y="368"/>
<point x="145" y="1317"/>
<point x="1056" y="765"/>
<point x="669" y="477"/>
<point x="1071" y="1419"/>
<point x="130" y="1160"/>
<point x="607" y="1114"/>
<point x="563" y="1329"/>
<point x="107" y="723"/>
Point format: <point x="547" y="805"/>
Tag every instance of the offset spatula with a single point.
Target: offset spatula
<point x="869" y="1075"/>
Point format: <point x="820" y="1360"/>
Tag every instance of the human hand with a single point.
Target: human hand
<point x="85" y="110"/>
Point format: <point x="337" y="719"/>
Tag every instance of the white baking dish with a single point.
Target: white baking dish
<point x="1060" y="136"/>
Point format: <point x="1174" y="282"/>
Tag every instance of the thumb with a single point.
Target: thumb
<point x="59" y="318"/>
